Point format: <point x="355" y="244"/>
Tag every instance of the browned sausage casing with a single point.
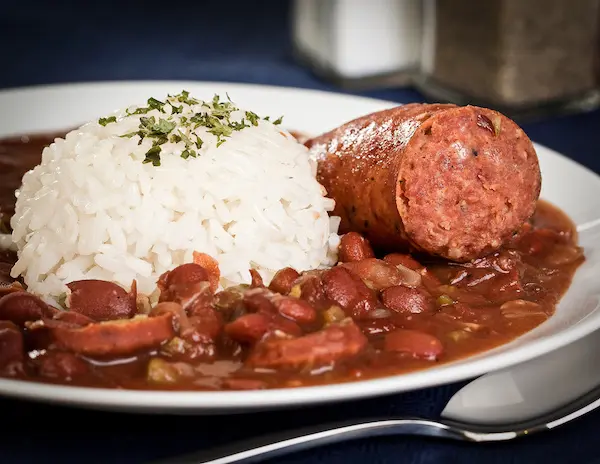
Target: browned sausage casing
<point x="450" y="181"/>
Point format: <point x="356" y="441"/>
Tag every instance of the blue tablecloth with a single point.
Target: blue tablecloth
<point x="49" y="42"/>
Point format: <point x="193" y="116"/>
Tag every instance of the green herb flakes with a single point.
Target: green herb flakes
<point x="105" y="121"/>
<point x="186" y="115"/>
<point x="252" y="117"/>
<point x="153" y="156"/>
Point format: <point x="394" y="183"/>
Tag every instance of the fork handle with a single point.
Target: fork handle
<point x="272" y="445"/>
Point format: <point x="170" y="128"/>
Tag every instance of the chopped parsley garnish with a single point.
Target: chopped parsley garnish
<point x="252" y="117"/>
<point x="105" y="121"/>
<point x="215" y="116"/>
<point x="153" y="156"/>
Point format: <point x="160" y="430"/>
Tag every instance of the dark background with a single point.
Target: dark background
<point x="238" y="41"/>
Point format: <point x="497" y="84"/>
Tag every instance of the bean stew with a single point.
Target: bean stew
<point x="369" y="316"/>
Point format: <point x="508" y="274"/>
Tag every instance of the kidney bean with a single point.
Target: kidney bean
<point x="407" y="300"/>
<point x="61" y="365"/>
<point x="212" y="267"/>
<point x="354" y="247"/>
<point x="331" y="344"/>
<point x="257" y="280"/>
<point x="251" y="328"/>
<point x="295" y="309"/>
<point x="283" y="280"/>
<point x="206" y="324"/>
<point x="22" y="307"/>
<point x="180" y="319"/>
<point x="419" y="344"/>
<point x="116" y="338"/>
<point x="403" y="260"/>
<point x="182" y="275"/>
<point x="11" y="345"/>
<point x="349" y="292"/>
<point x="310" y="288"/>
<point x="258" y="300"/>
<point x="189" y="282"/>
<point x="377" y="326"/>
<point x="100" y="300"/>
<point x="378" y="274"/>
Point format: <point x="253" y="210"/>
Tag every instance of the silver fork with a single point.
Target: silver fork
<point x="273" y="445"/>
<point x="484" y="410"/>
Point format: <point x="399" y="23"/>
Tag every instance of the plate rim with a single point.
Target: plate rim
<point x="227" y="401"/>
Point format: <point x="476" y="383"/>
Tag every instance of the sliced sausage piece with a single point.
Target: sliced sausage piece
<point x="184" y="284"/>
<point x="116" y="338"/>
<point x="101" y="300"/>
<point x="349" y="292"/>
<point x="446" y="180"/>
<point x="331" y="344"/>
<point x="22" y="307"/>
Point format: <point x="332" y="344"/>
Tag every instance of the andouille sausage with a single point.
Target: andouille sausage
<point x="450" y="181"/>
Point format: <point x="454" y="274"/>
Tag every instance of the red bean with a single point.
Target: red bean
<point x="378" y="275"/>
<point x="11" y="345"/>
<point x="100" y="300"/>
<point x="258" y="300"/>
<point x="257" y="281"/>
<point x="183" y="275"/>
<point x="407" y="300"/>
<point x="61" y="365"/>
<point x="295" y="309"/>
<point x="206" y="325"/>
<point x="404" y="260"/>
<point x="184" y="284"/>
<point x="349" y="292"/>
<point x="283" y="280"/>
<point x="419" y="344"/>
<point x="180" y="318"/>
<point x="354" y="247"/>
<point x="312" y="289"/>
<point x="21" y="307"/>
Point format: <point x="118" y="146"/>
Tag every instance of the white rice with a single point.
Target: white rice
<point x="93" y="210"/>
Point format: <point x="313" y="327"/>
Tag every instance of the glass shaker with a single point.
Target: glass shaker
<point x="522" y="57"/>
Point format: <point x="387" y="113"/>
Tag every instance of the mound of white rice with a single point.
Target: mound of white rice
<point x="93" y="209"/>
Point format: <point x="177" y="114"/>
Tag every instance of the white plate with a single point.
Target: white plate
<point x="566" y="184"/>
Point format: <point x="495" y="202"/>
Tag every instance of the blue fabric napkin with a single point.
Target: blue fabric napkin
<point x="61" y="41"/>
